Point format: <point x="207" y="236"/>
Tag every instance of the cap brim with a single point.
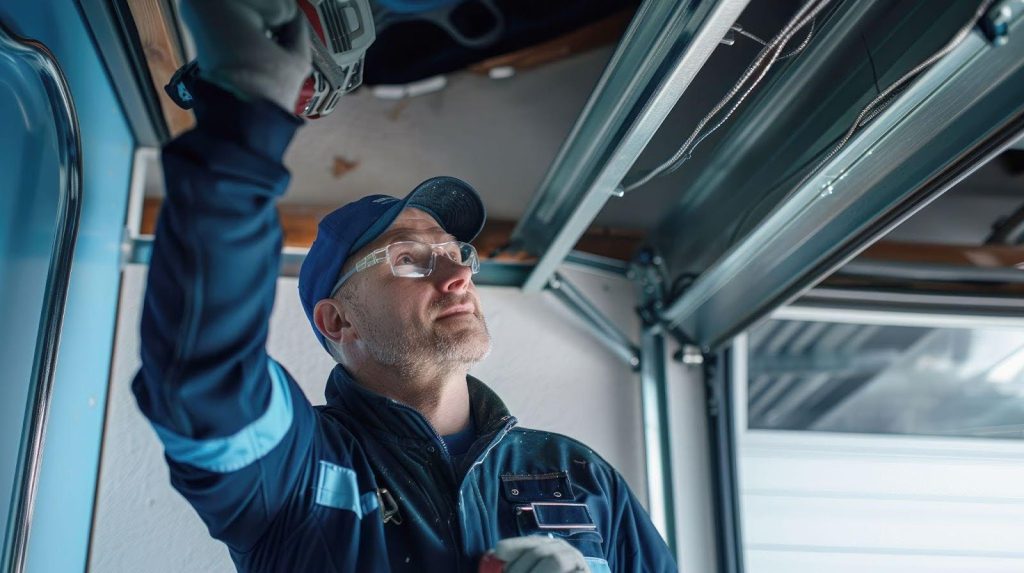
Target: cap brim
<point x="453" y="203"/>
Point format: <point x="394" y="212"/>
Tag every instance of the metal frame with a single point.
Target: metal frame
<point x="30" y="455"/>
<point x="602" y="326"/>
<point x="946" y="315"/>
<point x="646" y="272"/>
<point x="660" y="54"/>
<point x="897" y="301"/>
<point x="114" y="32"/>
<point x="722" y="434"/>
<point x="906" y="157"/>
<point x="929" y="272"/>
<point x="657" y="434"/>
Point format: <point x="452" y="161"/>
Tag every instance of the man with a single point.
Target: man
<point x="412" y="465"/>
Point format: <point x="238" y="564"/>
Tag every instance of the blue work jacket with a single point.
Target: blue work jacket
<point x="363" y="484"/>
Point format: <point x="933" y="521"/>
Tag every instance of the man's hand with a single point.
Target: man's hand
<point x="538" y="554"/>
<point x="254" y="48"/>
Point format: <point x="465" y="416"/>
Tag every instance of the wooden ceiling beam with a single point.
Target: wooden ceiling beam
<point x="299" y="224"/>
<point x="157" y="31"/>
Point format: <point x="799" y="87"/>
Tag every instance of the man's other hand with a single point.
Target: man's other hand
<point x="254" y="48"/>
<point x="538" y="554"/>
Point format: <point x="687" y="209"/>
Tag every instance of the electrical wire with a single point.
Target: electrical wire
<point x="870" y="111"/>
<point x="890" y="93"/>
<point x="739" y="30"/>
<point x="802" y="18"/>
<point x="721" y="122"/>
<point x="775" y="47"/>
<point x="763" y="62"/>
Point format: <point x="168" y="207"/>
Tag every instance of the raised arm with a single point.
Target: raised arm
<point x="235" y="427"/>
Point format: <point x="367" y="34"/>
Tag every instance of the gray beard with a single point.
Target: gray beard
<point x="412" y="355"/>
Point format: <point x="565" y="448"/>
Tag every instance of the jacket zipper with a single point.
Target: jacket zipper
<point x="451" y="507"/>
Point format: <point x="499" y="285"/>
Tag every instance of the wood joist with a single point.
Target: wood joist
<point x="969" y="261"/>
<point x="158" y="34"/>
<point x="299" y="224"/>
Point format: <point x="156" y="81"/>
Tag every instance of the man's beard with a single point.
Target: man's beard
<point x="436" y="346"/>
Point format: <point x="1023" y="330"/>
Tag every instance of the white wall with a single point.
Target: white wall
<point x="551" y="371"/>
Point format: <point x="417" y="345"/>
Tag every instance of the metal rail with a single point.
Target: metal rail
<point x="36" y="56"/>
<point x="722" y="427"/>
<point x="659" y="56"/>
<point x="605" y="329"/>
<point x="957" y="116"/>
<point x="930" y="272"/>
<point x="120" y="47"/>
<point x="657" y="434"/>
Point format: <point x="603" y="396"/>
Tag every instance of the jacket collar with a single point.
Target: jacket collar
<point x="388" y="417"/>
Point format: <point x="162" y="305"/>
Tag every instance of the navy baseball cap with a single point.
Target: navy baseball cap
<point x="452" y="202"/>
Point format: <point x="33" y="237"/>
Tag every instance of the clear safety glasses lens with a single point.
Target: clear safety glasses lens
<point x="414" y="259"/>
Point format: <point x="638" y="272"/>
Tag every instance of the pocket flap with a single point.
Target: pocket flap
<point x="525" y="488"/>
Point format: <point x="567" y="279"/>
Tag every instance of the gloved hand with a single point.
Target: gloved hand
<point x="539" y="554"/>
<point x="254" y="48"/>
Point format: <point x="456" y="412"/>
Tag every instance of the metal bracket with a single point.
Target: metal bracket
<point x="722" y="447"/>
<point x="648" y="272"/>
<point x="603" y="327"/>
<point x="996" y="22"/>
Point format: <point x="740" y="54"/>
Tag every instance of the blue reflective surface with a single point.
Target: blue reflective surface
<point x="30" y="201"/>
<point x="63" y="515"/>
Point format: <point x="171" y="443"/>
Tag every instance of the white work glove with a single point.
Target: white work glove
<point x="539" y="554"/>
<point x="254" y="48"/>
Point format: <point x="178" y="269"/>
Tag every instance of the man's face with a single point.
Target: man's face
<point x="407" y="322"/>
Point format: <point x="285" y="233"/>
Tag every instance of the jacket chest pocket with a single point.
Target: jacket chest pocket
<point x="544" y="504"/>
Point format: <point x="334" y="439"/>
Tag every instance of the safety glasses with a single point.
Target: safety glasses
<point x="414" y="259"/>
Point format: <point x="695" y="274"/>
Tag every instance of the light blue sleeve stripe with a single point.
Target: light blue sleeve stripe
<point x="337" y="487"/>
<point x="234" y="452"/>
<point x="370" y="502"/>
<point x="598" y="565"/>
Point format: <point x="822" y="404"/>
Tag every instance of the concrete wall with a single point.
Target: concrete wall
<point x="551" y="371"/>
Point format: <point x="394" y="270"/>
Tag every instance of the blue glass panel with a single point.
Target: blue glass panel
<point x="34" y="195"/>
<point x="62" y="519"/>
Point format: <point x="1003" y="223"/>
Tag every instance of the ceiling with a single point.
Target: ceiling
<point x="501" y="135"/>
